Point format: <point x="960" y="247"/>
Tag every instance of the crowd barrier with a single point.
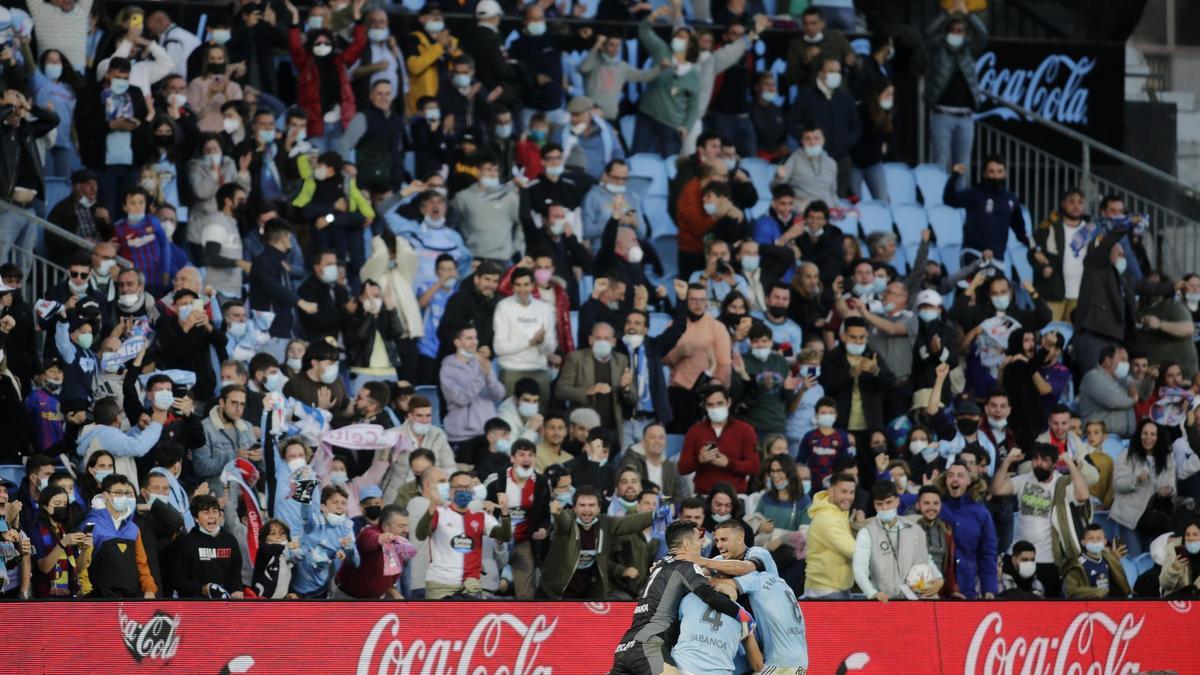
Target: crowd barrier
<point x="570" y="638"/>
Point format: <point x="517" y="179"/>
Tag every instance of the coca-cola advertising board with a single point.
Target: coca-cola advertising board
<point x="1077" y="84"/>
<point x="515" y="638"/>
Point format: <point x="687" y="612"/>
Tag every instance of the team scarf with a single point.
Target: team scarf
<point x="178" y="497"/>
<point x="1171" y="408"/>
<point x="244" y="474"/>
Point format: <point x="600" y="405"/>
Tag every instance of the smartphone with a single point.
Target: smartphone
<point x="1181" y="551"/>
<point x="179" y="390"/>
<point x="87" y="528"/>
<point x="1118" y="542"/>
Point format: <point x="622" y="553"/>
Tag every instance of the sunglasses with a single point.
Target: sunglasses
<point x="79" y="275"/>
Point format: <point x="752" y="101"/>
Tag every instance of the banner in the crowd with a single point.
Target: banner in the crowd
<point x="1077" y="84"/>
<point x="569" y="638"/>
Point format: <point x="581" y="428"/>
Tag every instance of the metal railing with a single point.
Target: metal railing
<point x="1040" y="178"/>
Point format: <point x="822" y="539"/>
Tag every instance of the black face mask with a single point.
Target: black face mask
<point x="59" y="514"/>
<point x="216" y="68"/>
<point x="164" y="141"/>
<point x="372" y="512"/>
<point x="696" y="317"/>
<point x="1041" y="473"/>
<point x="968" y="426"/>
<point x="776" y="312"/>
<point x="996" y="184"/>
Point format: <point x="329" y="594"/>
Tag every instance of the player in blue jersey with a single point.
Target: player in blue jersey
<point x="781" y="623"/>
<point x="708" y="641"/>
<point x="735" y="559"/>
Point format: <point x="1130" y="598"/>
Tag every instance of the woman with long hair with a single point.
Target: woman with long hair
<point x="784" y="503"/>
<point x="866" y="157"/>
<point x="56" y="86"/>
<point x="56" y="552"/>
<point x="1144" y="478"/>
<point x="97" y="467"/>
<point x="1020" y="379"/>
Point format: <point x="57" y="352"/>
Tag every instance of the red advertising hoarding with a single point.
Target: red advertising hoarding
<point x="513" y="638"/>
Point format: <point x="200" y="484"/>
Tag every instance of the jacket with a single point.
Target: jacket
<point x="190" y="351"/>
<point x="1103" y="488"/>
<point x="309" y="81"/>
<point x="320" y="543"/>
<point x="578" y="375"/>
<point x="946" y="564"/>
<point x="737" y="441"/>
<point x="201" y="559"/>
<point x="467" y="305"/>
<point x="834" y="45"/>
<point x="125" y="447"/>
<point x="834" y="114"/>
<point x="222" y="441"/>
<point x="943" y="61"/>
<point x="673" y="485"/>
<point x="1172" y="578"/>
<point x="653" y="348"/>
<point x="604" y="81"/>
<point x="330" y="318"/>
<point x="1133" y="497"/>
<point x="830" y="546"/>
<point x="204" y="182"/>
<point x="536" y="518"/>
<point x="563" y="556"/>
<point x="491" y="222"/>
<point x="839" y="385"/>
<point x="669" y="99"/>
<point x="1050" y="238"/>
<point x="974" y="544"/>
<point x="763" y="399"/>
<point x="18" y="145"/>
<point x="1101" y="397"/>
<point x="471" y="394"/>
<point x="426" y="61"/>
<point x="115" y="566"/>
<point x="881" y="563"/>
<point x="398" y="280"/>
<point x="1077" y="586"/>
<point x="636" y="551"/>
<point x="91" y="126"/>
<point x="271" y="291"/>
<point x="990" y="214"/>
<point x="361" y="329"/>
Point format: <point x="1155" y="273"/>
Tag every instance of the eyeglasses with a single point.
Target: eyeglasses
<point x="79" y="275"/>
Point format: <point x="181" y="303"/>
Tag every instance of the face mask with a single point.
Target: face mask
<point x="228" y="383"/>
<point x="275" y="381"/>
<point x="236" y="328"/>
<point x="917" y="447"/>
<point x="504" y="131"/>
<point x="615" y="189"/>
<point x="902" y="483"/>
<point x="87" y="202"/>
<point x="85" y="340"/>
<point x="45" y="482"/>
<point x="1193" y="547"/>
<point x="1121" y="370"/>
<point x="179" y="100"/>
<point x="578" y="129"/>
<point x="929" y="453"/>
<point x="555" y="171"/>
<point x="968" y="426"/>
<point x="149" y="185"/>
<point x="214" y="159"/>
<point x="185" y="312"/>
<point x="463" y="498"/>
<point x="118" y="85"/>
<point x="432" y="27"/>
<point x="1000" y="302"/>
<point x="1192" y="297"/>
<point x="633" y="341"/>
<point x="53" y="71"/>
<point x="568" y="497"/>
<point x="135" y="216"/>
<point x="814" y="39"/>
<point x="779" y="484"/>
<point x="886" y="103"/>
<point x="826" y="420"/>
<point x="315" y="22"/>
<point x="322" y="50"/>
<point x="433" y="115"/>
<point x="635" y="254"/>
<point x="372" y="305"/>
<point x="721" y="517"/>
<point x="771" y="98"/>
<point x="320" y="173"/>
<point x="750" y="262"/>
<point x="1094" y="547"/>
<point x="602" y="349"/>
<point x="807" y="485"/>
<point x="886" y="515"/>
<point x="1042" y="474"/>
<point x="526" y="409"/>
<point x="557" y="227"/>
<point x="266" y="136"/>
<point x="112" y="368"/>
<point x="1027" y="568"/>
<point x="587" y="525"/>
<point x="335" y="519"/>
<point x="536" y="28"/>
<point x="329" y="274"/>
<point x="1120" y="264"/>
<point x="855" y="349"/>
<point x="372" y="512"/>
<point x="523" y="472"/>
<point x="443" y="490"/>
<point x="330" y="374"/>
<point x="338" y="477"/>
<point x="710" y="208"/>
<point x="53" y="386"/>
<point x="504" y="445"/>
<point x="679" y="45"/>
<point x="124" y="504"/>
<point x="462" y="80"/>
<point x="718" y="415"/>
<point x="101" y="474"/>
<point x="864" y="289"/>
<point x="489" y="182"/>
<point x="928" y="315"/>
<point x="998" y="425"/>
<point x="833" y="80"/>
<point x="163" y="399"/>
<point x="761" y="353"/>
<point x="294" y="364"/>
<point x="216" y="68"/>
<point x="955" y="40"/>
<point x="377" y="34"/>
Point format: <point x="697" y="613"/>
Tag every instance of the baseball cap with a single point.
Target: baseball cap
<point x="580" y="104"/>
<point x="369" y="491"/>
<point x="486" y="9"/>
<point x="929" y="297"/>
<point x="966" y="407"/>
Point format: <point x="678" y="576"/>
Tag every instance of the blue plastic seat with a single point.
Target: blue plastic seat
<point x="874" y="216"/>
<point x="947" y="224"/>
<point x="667" y="247"/>
<point x="655" y="208"/>
<point x="910" y="221"/>
<point x="57" y="189"/>
<point x="627" y="124"/>
<point x="760" y="174"/>
<point x="14" y="473"/>
<point x="658" y="322"/>
<point x="931" y="181"/>
<point x="901" y="184"/>
<point x="652" y="167"/>
<point x="674" y="445"/>
<point x="1062" y="328"/>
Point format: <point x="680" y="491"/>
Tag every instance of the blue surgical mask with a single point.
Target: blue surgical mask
<point x="316" y="22"/>
<point x="503" y="445"/>
<point x="101" y="475"/>
<point x="568" y="498"/>
<point x="1000" y="302"/>
<point x="53" y="71"/>
<point x="119" y="85"/>
<point x="463" y="497"/>
<point x="335" y="519"/>
<point x="526" y="410"/>
<point x="443" y="490"/>
<point x="886" y="515"/>
<point x="377" y="34"/>
<point x="1193" y="547"/>
<point x="928" y="315"/>
<point x="1094" y="547"/>
<point x="880" y="285"/>
<point x="124" y="504"/>
<point x="855" y="349"/>
<point x="266" y="135"/>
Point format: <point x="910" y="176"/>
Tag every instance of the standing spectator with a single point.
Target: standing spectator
<point x="785" y="500"/>
<point x="855" y="376"/>
<point x="114" y="564"/>
<point x="766" y="114"/>
<point x="893" y="334"/>
<point x="376" y="134"/>
<point x="939" y="537"/>
<point x="470" y="387"/>
<point x="79" y="214"/>
<point x="952" y="88"/>
<point x="648" y="458"/>
<point x="806" y="52"/>
<point x="540" y="53"/>
<point x="701" y="355"/>
<point x="763" y="383"/>
<point x="177" y="41"/>
<point x="719" y="448"/>
<point x="974" y="532"/>
<point x="589" y="142"/>
<point x="62" y="26"/>
<point x="881" y="564"/>
<point x="577" y="565"/>
<point x="227" y="436"/>
<point x="455" y="535"/>
<point x="209" y="92"/>
<point x="490" y="215"/>
<point x="1144" y="479"/>
<point x="826" y="105"/>
<point x="528" y="496"/>
<point x="634" y="553"/>
<point x="599" y="379"/>
<point x="207" y="560"/>
<point x="372" y="331"/>
<point x="429" y="50"/>
<point x="824" y="444"/>
<point x="222" y="242"/>
<point x="1106" y="393"/>
<point x="605" y="76"/>
<point x="810" y="171"/>
<point x="550" y="451"/>
<point x="483" y="42"/>
<point x="324" y="289"/>
<point x="869" y="151"/>
<point x="1165" y="330"/>
<point x="830" y="542"/>
<point x="56" y="552"/>
<point x="142" y="241"/>
<point x="106" y="118"/>
<point x="652" y="404"/>
<point x="992" y="209"/>
<point x="323" y="81"/>
<point x="671" y="103"/>
<point x="1061" y="243"/>
<point x="271" y="291"/>
<point x="1097" y="574"/>
<point x="327" y="543"/>
<point x="525" y="337"/>
<point x="43" y="409"/>
<point x="385" y="552"/>
<point x="475" y="303"/>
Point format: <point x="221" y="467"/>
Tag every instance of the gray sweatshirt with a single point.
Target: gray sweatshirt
<point x="1101" y="397"/>
<point x="490" y="221"/>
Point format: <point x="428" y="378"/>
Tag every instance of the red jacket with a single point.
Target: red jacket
<point x="738" y="442"/>
<point x="309" y="85"/>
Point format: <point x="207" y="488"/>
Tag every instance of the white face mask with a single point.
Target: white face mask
<point x="718" y="415"/>
<point x="536" y="28"/>
<point x="635" y="254"/>
<point x="679" y="45"/>
<point x="955" y="40"/>
<point x="179" y="100"/>
<point x="826" y="420"/>
<point x="330" y="374"/>
<point x="129" y="300"/>
<point x="421" y="428"/>
<point x="633" y="341"/>
<point x="527" y="410"/>
<point x="614" y="188"/>
<point x="433" y="115"/>
<point x="1027" y="568"/>
<point x="1121" y="370"/>
<point x="833" y="80"/>
<point x="555" y="171"/>
<point x="578" y="129"/>
<point x="236" y="328"/>
<point x="886" y="103"/>
<point x="855" y="349"/>
<point x="294" y="364"/>
<point x="489" y="182"/>
<point x="814" y="151"/>
<point x="323" y="50"/>
<point x="168" y="227"/>
<point x="296" y="464"/>
<point x="433" y="27"/>
<point x="761" y="353"/>
<point x="230" y="125"/>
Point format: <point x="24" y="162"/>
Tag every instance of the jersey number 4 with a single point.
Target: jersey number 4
<point x="713" y="618"/>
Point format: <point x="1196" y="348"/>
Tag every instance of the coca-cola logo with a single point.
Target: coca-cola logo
<point x="158" y="638"/>
<point x="487" y="642"/>
<point x="1053" y="89"/>
<point x="598" y="608"/>
<point x="991" y="652"/>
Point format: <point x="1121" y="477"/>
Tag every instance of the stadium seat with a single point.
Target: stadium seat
<point x="1113" y="446"/>
<point x="667" y="247"/>
<point x="1131" y="570"/>
<point x="1064" y="329"/>
<point x="574" y="316"/>
<point x="910" y="220"/>
<point x="657" y="215"/>
<point x="658" y="323"/>
<point x="410" y="163"/>
<point x="627" y="124"/>
<point x="14" y="473"/>
<point x="639" y="185"/>
<point x="1018" y="258"/>
<point x="950" y="257"/>
<point x="760" y="174"/>
<point x="672" y="167"/>
<point x="901" y="184"/>
<point x="1101" y="518"/>
<point x="874" y="217"/>
<point x="674" y="445"/>
<point x="652" y="167"/>
<point x="947" y="225"/>
<point x="586" y="282"/>
<point x="864" y="192"/>
<point x="931" y="181"/>
<point x="1144" y="563"/>
<point x="1028" y="220"/>
<point x="57" y="189"/>
<point x="430" y="392"/>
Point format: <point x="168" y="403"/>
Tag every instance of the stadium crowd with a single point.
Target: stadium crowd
<point x="395" y="320"/>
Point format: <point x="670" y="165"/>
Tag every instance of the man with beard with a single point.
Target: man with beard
<point x="475" y="303"/>
<point x="974" y="533"/>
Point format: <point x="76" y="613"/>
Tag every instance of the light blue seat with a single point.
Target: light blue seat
<point x="586" y="282"/>
<point x="1131" y="570"/>
<point x="950" y="255"/>
<point x="901" y="184"/>
<point x="910" y="221"/>
<point x="14" y="473"/>
<point x="1113" y="446"/>
<point x="1144" y="563"/>
<point x="57" y="189"/>
<point x="657" y="215"/>
<point x="627" y="124"/>
<point x="667" y="247"/>
<point x="672" y="167"/>
<point x="638" y="185"/>
<point x="1110" y="528"/>
<point x="658" y="322"/>
<point x="947" y="224"/>
<point x="760" y="174"/>
<point x="652" y="167"/>
<point x="674" y="445"/>
<point x="430" y="392"/>
<point x="1063" y="328"/>
<point x="574" y="316"/>
<point x="874" y="216"/>
<point x="931" y="181"/>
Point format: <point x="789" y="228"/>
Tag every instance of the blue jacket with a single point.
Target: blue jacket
<point x="540" y="55"/>
<point x="271" y="289"/>
<point x="319" y="546"/>
<point x="836" y="116"/>
<point x="990" y="215"/>
<point x="974" y="544"/>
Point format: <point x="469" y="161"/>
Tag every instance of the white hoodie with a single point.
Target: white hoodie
<point x="515" y="325"/>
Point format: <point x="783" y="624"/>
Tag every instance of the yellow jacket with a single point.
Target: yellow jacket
<point x="830" y="547"/>
<point x="356" y="201"/>
<point x="972" y="5"/>
<point x="423" y="70"/>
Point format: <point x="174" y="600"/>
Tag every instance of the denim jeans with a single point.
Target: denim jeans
<point x="738" y="129"/>
<point x="952" y="136"/>
<point x="61" y="162"/>
<point x="650" y="135"/>
<point x="874" y="178"/>
<point x="18" y="235"/>
<point x="114" y="181"/>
